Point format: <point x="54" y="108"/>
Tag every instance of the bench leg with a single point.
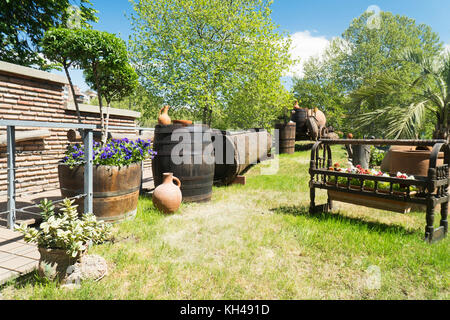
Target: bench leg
<point x="329" y="205"/>
<point x="312" y="196"/>
<point x="429" y="229"/>
<point x="444" y="214"/>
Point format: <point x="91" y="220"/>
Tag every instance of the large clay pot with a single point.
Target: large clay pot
<point x="319" y="115"/>
<point x="386" y="163"/>
<point x="167" y="196"/>
<point x="413" y="162"/>
<point x="163" y="116"/>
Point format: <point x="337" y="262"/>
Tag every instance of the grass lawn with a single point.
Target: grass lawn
<point x="258" y="242"/>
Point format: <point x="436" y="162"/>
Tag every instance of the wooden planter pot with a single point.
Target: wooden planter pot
<point x="116" y="189"/>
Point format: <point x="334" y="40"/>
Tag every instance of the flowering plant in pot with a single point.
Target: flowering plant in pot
<point x="63" y="237"/>
<point x="116" y="175"/>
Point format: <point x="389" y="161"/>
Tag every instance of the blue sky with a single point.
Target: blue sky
<point x="312" y="23"/>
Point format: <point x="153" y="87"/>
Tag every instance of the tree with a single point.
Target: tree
<point x="198" y="55"/>
<point x="430" y="91"/>
<point x="364" y="53"/>
<point x="316" y="89"/>
<point x="115" y="81"/>
<point x="61" y="46"/>
<point x="101" y="55"/>
<point x="23" y="24"/>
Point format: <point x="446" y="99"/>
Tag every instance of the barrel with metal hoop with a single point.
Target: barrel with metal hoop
<point x="187" y="152"/>
<point x="116" y="189"/>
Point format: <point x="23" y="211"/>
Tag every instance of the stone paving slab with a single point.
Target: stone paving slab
<point x="16" y="256"/>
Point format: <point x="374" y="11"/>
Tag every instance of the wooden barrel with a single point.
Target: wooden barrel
<point x="115" y="189"/>
<point x="299" y="116"/>
<point x="286" y="137"/>
<point x="188" y="153"/>
<point x="236" y="151"/>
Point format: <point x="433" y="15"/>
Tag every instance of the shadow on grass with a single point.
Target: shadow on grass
<point x="374" y="226"/>
<point x="32" y="279"/>
<point x="303" y="147"/>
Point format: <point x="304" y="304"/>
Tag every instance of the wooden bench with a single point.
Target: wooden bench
<point x="433" y="188"/>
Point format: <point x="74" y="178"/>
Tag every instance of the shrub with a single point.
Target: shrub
<point x="65" y="230"/>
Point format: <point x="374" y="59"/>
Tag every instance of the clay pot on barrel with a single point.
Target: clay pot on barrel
<point x="163" y="116"/>
<point x="167" y="196"/>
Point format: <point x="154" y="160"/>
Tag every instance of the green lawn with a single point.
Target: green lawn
<point x="258" y="242"/>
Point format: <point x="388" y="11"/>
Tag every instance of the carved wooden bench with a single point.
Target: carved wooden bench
<point x="433" y="188"/>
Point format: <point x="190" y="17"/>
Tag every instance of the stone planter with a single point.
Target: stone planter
<point x="116" y="189"/>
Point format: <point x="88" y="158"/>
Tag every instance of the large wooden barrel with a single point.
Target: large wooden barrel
<point x="193" y="163"/>
<point x="286" y="137"/>
<point x="299" y="116"/>
<point x="116" y="189"/>
<point x="236" y="151"/>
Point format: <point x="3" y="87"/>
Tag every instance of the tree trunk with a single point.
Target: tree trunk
<point x="73" y="93"/>
<point x="105" y="136"/>
<point x="441" y="132"/>
<point x="100" y="103"/>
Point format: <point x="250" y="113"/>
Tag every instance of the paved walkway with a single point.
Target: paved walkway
<point x="16" y="256"/>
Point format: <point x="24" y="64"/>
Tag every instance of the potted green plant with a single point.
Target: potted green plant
<point x="116" y="174"/>
<point x="63" y="238"/>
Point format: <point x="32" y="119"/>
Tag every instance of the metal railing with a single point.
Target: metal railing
<point x="86" y="131"/>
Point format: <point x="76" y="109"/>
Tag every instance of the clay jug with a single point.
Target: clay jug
<point x="167" y="196"/>
<point x="163" y="116"/>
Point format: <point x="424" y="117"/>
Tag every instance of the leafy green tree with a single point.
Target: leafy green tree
<point x="102" y="56"/>
<point x="115" y="81"/>
<point x="199" y="55"/>
<point x="23" y="24"/>
<point x="428" y="94"/>
<point x="99" y="53"/>
<point x="360" y="56"/>
<point x="316" y="89"/>
<point x="61" y="46"/>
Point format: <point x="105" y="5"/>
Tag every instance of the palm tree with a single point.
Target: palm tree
<point x="429" y="92"/>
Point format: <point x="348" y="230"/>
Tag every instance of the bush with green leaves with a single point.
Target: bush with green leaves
<point x="376" y="156"/>
<point x="65" y="230"/>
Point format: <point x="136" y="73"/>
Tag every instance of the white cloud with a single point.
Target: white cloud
<point x="304" y="46"/>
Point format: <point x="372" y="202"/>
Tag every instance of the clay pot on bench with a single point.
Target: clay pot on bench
<point x="410" y="160"/>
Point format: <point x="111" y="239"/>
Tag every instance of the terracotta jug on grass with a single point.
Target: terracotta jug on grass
<point x="163" y="116"/>
<point x="167" y="196"/>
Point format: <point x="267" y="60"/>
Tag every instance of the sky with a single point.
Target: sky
<point x="311" y="23"/>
